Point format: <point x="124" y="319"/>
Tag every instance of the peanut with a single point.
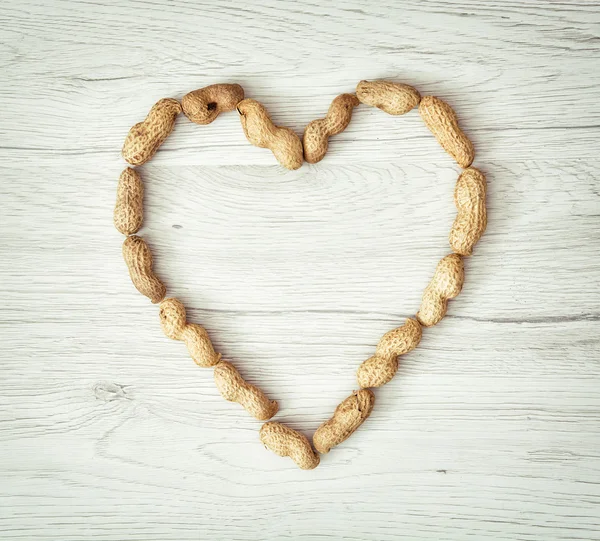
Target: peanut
<point x="285" y="441"/>
<point x="261" y="132"/>
<point x="317" y="133"/>
<point x="174" y="324"/>
<point x="138" y="257"/>
<point x="471" y="219"/>
<point x="446" y="284"/>
<point x="348" y="416"/>
<point x="234" y="388"/>
<point x="129" y="212"/>
<point x="204" y="105"/>
<point x="441" y="119"/>
<point x="393" y="98"/>
<point x="144" y="138"/>
<point x="382" y="367"/>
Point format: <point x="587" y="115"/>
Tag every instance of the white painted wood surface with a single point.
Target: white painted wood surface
<point x="491" y="429"/>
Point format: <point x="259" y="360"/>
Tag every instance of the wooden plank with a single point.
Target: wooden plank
<point x="358" y="238"/>
<point x="108" y="431"/>
<point x="493" y="419"/>
<point x="516" y="75"/>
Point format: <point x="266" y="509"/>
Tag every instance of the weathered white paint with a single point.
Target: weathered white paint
<point x="491" y="429"/>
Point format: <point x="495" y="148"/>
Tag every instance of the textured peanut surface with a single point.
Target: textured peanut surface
<point x="129" y="208"/>
<point x="471" y="219"/>
<point x="317" y="133"/>
<point x="174" y="324"/>
<point x="138" y="257"/>
<point x="348" y="416"/>
<point x="261" y="132"/>
<point x="144" y="138"/>
<point x="202" y="106"/>
<point x="393" y="98"/>
<point x="234" y="388"/>
<point x="382" y="367"/>
<point x="285" y="441"/>
<point x="446" y="284"/>
<point x="441" y="119"/>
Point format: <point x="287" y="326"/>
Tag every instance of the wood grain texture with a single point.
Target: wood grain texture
<point x="490" y="429"/>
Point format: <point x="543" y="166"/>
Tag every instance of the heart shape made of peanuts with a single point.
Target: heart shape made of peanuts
<point x="202" y="107"/>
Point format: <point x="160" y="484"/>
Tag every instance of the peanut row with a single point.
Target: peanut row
<point x="228" y="380"/>
<point x="202" y="106"/>
<point x="174" y="324"/>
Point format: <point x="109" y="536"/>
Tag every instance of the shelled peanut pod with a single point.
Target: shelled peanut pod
<point x="317" y="133"/>
<point x="144" y="139"/>
<point x="202" y="106"/>
<point x="382" y="367"/>
<point x="175" y="326"/>
<point x="138" y="257"/>
<point x="261" y="132"/>
<point x="471" y="219"/>
<point x="129" y="208"/>
<point x="285" y="441"/>
<point x="442" y="121"/>
<point x="348" y="416"/>
<point x="446" y="284"/>
<point x="234" y="388"/>
<point x="393" y="98"/>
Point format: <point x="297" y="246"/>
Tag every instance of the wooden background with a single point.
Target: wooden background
<point x="491" y="429"/>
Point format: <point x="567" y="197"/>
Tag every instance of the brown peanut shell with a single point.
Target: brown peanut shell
<point x="442" y="121"/>
<point x="393" y="98"/>
<point x="285" y="441"/>
<point x="261" y="132"/>
<point x="234" y="388"/>
<point x="138" y="257"/>
<point x="446" y="284"/>
<point x="317" y="133"/>
<point x="129" y="208"/>
<point x="382" y="367"/>
<point x="348" y="416"/>
<point x="173" y="321"/>
<point x="471" y="219"/>
<point x="202" y="106"/>
<point x="144" y="139"/>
